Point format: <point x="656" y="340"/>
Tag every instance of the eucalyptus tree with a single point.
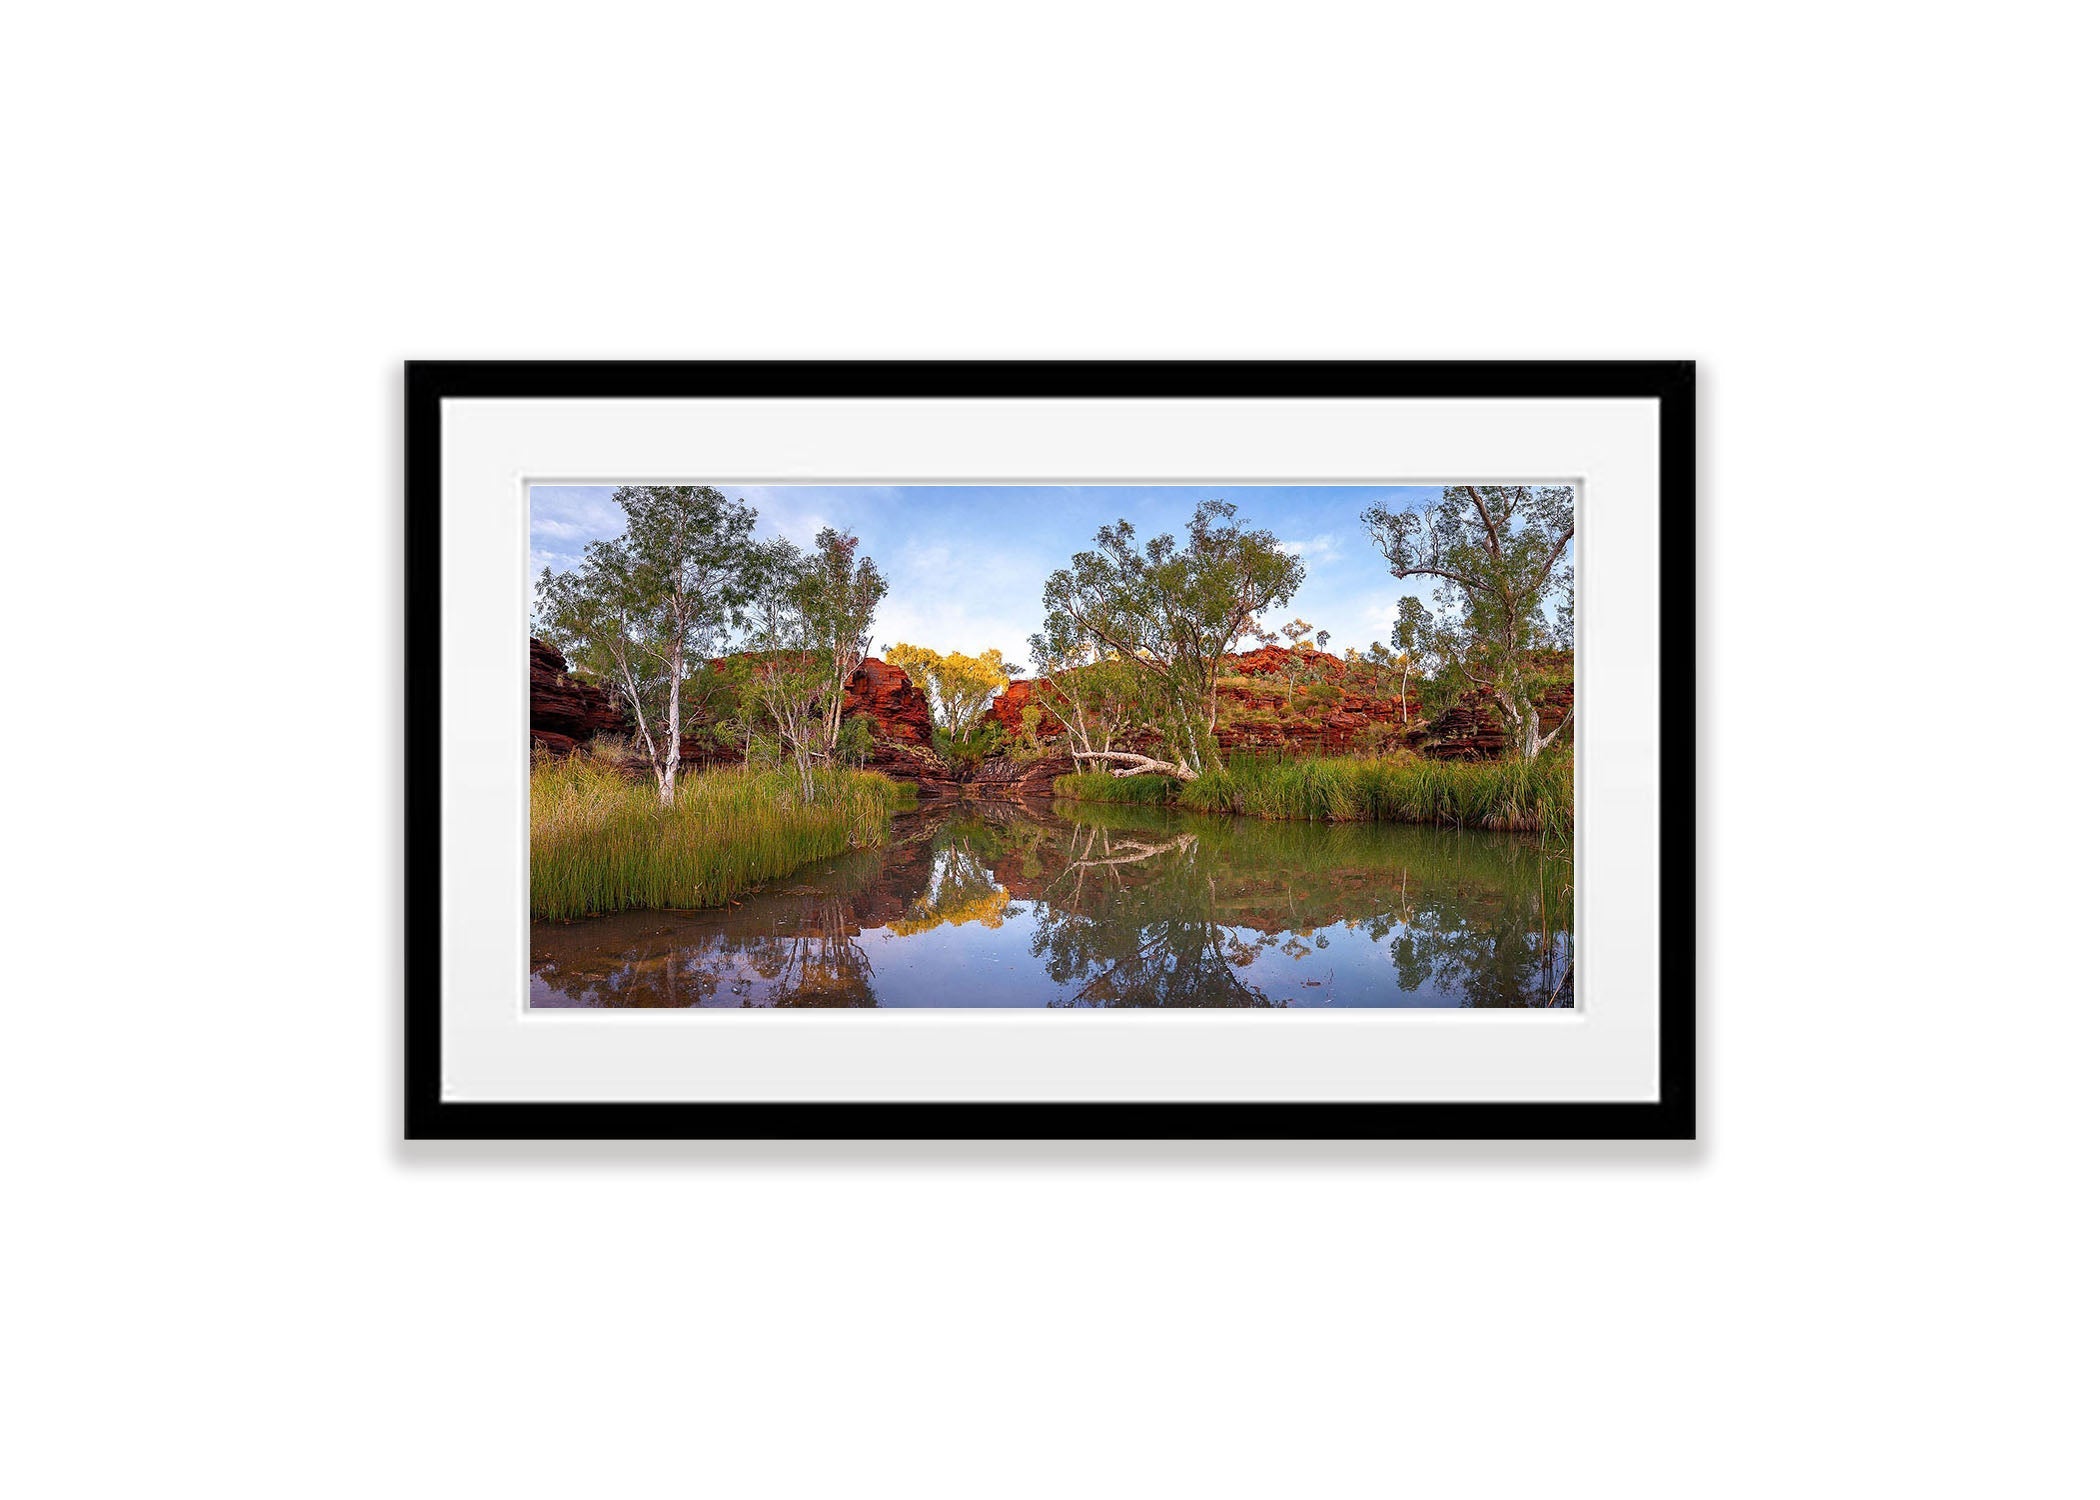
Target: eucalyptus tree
<point x="1499" y="556"/>
<point x="1172" y="611"/>
<point x="839" y="594"/>
<point x="959" y="688"/>
<point x="644" y="611"/>
<point x="1092" y="697"/>
<point x="1412" y="637"/>
<point x="787" y="654"/>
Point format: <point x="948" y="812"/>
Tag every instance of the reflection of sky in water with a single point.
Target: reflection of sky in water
<point x="1013" y="907"/>
<point x="978" y="966"/>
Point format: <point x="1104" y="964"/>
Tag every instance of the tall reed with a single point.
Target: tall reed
<point x="1103" y="786"/>
<point x="600" y="842"/>
<point x="1536" y="796"/>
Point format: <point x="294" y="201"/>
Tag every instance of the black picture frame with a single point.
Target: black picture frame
<point x="1670" y="1116"/>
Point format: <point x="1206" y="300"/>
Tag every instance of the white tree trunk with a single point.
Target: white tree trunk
<point x="667" y="784"/>
<point x="1138" y="765"/>
<point x="1523" y="717"/>
<point x="1523" y="723"/>
<point x="804" y="772"/>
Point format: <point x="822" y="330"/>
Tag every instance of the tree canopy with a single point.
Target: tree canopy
<point x="1498" y="555"/>
<point x="1172" y="611"/>
<point x="645" y="610"/>
<point x="958" y="687"/>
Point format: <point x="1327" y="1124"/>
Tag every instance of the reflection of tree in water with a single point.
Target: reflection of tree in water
<point x="1498" y="948"/>
<point x="827" y="968"/>
<point x="959" y="890"/>
<point x="1129" y="921"/>
<point x="1157" y="911"/>
<point x="1132" y="906"/>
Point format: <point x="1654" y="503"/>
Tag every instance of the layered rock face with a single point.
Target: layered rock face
<point x="896" y="710"/>
<point x="1006" y="708"/>
<point x="1255" y="717"/>
<point x="902" y="725"/>
<point x="567" y="712"/>
<point x="1473" y="728"/>
<point x="1321" y="714"/>
<point x="1002" y="776"/>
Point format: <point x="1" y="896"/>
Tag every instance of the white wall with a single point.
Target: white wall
<point x="228" y="224"/>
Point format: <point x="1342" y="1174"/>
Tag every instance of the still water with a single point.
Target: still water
<point x="1081" y="904"/>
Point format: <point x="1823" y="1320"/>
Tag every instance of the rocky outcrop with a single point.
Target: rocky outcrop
<point x="1006" y="708"/>
<point x="1324" y="713"/>
<point x="1473" y="728"/>
<point x="566" y="710"/>
<point x="895" y="710"/>
<point x="1009" y="778"/>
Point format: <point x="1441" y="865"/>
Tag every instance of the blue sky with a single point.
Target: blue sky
<point x="966" y="564"/>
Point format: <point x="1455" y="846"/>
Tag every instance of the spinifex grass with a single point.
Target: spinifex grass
<point x="600" y="842"/>
<point x="1536" y="796"/>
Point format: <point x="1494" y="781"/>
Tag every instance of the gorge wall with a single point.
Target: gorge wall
<point x="1324" y="712"/>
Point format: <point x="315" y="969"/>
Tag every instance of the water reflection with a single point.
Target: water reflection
<point x="1069" y="904"/>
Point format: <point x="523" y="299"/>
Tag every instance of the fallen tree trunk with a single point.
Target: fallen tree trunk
<point x="1138" y="765"/>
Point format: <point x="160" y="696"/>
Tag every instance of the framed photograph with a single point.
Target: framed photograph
<point x="1049" y="750"/>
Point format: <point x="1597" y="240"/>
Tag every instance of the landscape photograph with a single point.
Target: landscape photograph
<point x="1031" y="746"/>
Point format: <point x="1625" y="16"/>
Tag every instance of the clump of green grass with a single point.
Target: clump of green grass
<point x="600" y="842"/>
<point x="1536" y="796"/>
<point x="1102" y="786"/>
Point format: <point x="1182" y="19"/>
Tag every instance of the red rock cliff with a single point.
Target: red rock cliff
<point x="896" y="710"/>
<point x="566" y="711"/>
<point x="1258" y="715"/>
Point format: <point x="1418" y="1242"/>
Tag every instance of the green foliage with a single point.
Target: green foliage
<point x="958" y="687"/>
<point x="1504" y="584"/>
<point x="1194" y="900"/>
<point x="1091" y="698"/>
<point x="1372" y="669"/>
<point x="836" y="594"/>
<point x="601" y="842"/>
<point x="791" y="671"/>
<point x="973" y="747"/>
<point x="1100" y="786"/>
<point x="1170" y="612"/>
<point x="641" y="613"/>
<point x="856" y="742"/>
<point x="1378" y="739"/>
<point x="1535" y="796"/>
<point x="613" y="749"/>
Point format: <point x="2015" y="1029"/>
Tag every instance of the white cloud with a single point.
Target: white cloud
<point x="1322" y="545"/>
